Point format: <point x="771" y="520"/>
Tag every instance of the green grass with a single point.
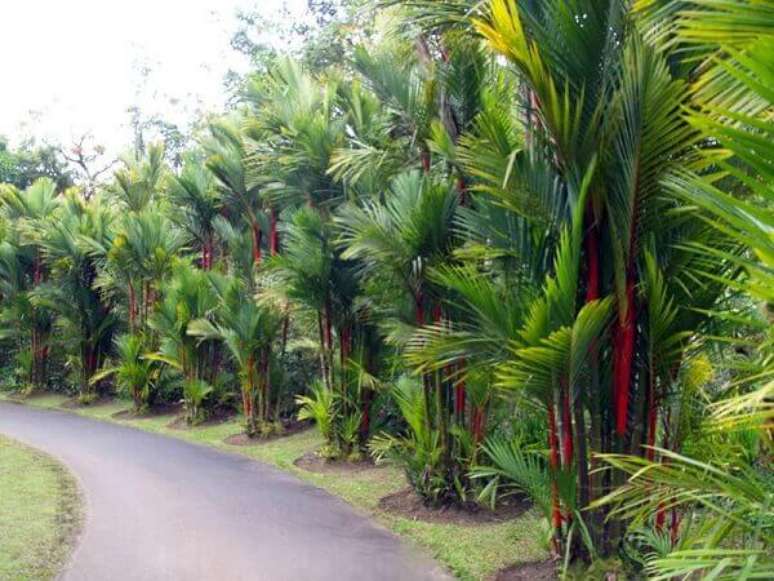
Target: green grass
<point x="471" y="552"/>
<point x="39" y="513"/>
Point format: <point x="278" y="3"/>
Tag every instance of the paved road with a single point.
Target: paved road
<point x="159" y="508"/>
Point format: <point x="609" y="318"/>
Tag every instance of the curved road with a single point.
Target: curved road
<point x="158" y="508"/>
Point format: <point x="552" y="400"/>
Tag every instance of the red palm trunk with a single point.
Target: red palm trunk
<point x="274" y="234"/>
<point x="478" y="424"/>
<point x="425" y="157"/>
<point x="328" y="325"/>
<point x="419" y="303"/>
<point x="257" y="236"/>
<point x="624" y="354"/>
<point x="592" y="260"/>
<point x="365" y="418"/>
<point x="37" y="270"/>
<point x="675" y="528"/>
<point x="462" y="188"/>
<point x="207" y="252"/>
<point x="660" y="517"/>
<point x="345" y="340"/>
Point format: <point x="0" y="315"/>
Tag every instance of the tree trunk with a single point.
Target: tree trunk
<point x="478" y="424"/>
<point x="328" y="321"/>
<point x="257" y="237"/>
<point x="566" y="425"/>
<point x="248" y="393"/>
<point x="584" y="486"/>
<point x="265" y="384"/>
<point x="365" y="418"/>
<point x="650" y="453"/>
<point x="323" y="350"/>
<point x="207" y="252"/>
<point x="425" y="157"/>
<point x="441" y="399"/>
<point x="34" y="358"/>
<point x="553" y="445"/>
<point x="285" y="329"/>
<point x="132" y="308"/>
<point x="624" y="355"/>
<point x="274" y="234"/>
<point x="460" y="396"/>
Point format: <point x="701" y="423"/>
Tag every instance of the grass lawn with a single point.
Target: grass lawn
<point x="471" y="552"/>
<point x="39" y="513"/>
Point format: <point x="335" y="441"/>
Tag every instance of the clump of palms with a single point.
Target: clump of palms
<point x="188" y="298"/>
<point x="248" y="330"/>
<point x="337" y="421"/>
<point x="29" y="212"/>
<point x="419" y="449"/>
<point x="83" y="312"/>
<point x="136" y="375"/>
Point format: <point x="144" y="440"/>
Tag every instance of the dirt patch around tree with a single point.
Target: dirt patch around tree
<point x="154" y="412"/>
<point x="288" y="429"/>
<point x="75" y="403"/>
<point x="313" y="462"/>
<point x="532" y="571"/>
<point x="220" y="417"/>
<point x="408" y="504"/>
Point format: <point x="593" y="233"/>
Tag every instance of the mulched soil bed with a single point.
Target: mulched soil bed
<point x="313" y="462"/>
<point x="180" y="423"/>
<point x="154" y="412"/>
<point x="408" y="504"/>
<point x="289" y="428"/>
<point x="74" y="403"/>
<point x="534" y="571"/>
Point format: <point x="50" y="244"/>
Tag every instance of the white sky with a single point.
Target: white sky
<point x="72" y="66"/>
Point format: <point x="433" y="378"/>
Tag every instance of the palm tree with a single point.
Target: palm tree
<point x="195" y="205"/>
<point x="728" y="503"/>
<point x="248" y="330"/>
<point x="137" y="260"/>
<point x="396" y="244"/>
<point x="392" y="121"/>
<point x="296" y="127"/>
<point x="18" y="316"/>
<point x="724" y="495"/>
<point x="603" y="131"/>
<point x="291" y="137"/>
<point x="188" y="297"/>
<point x="135" y="373"/>
<point x="82" y="310"/>
<point x="403" y="238"/>
<point x="312" y="276"/>
<point x="227" y="158"/>
<point x="30" y="211"/>
<point x="303" y="274"/>
<point x="138" y="183"/>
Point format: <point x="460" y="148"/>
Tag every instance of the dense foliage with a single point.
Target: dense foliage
<point x="525" y="246"/>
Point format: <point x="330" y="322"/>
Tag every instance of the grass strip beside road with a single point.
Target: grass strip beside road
<point x="39" y="513"/>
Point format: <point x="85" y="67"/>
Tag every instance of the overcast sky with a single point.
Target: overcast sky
<point x="72" y="66"/>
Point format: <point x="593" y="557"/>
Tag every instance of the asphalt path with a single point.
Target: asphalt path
<point x="158" y="508"/>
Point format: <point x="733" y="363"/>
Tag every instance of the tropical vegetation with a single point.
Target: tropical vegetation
<point x="515" y="248"/>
